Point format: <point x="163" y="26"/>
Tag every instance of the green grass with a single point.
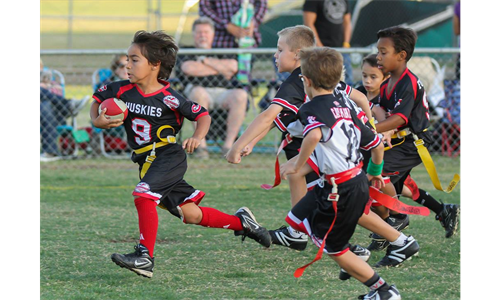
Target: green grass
<point x="87" y="213"/>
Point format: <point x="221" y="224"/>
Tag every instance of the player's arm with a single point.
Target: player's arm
<point x="390" y="123"/>
<point x="361" y="101"/>
<point x="260" y="124"/>
<point x="375" y="165"/>
<point x="202" y="127"/>
<point x="99" y="120"/>
<point x="309" y="143"/>
<point x="248" y="148"/>
<point x="378" y="113"/>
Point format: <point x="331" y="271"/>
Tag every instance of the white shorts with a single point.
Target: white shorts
<point x="217" y="95"/>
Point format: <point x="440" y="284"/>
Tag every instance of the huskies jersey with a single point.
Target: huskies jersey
<point x="343" y="134"/>
<point x="407" y="100"/>
<point x="148" y="112"/>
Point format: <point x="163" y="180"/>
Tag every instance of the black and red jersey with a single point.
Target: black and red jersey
<point x="147" y="113"/>
<point x="407" y="99"/>
<point x="290" y="96"/>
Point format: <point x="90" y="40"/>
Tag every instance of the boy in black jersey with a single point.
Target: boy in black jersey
<point x="280" y="113"/>
<point x="156" y="114"/>
<point x="403" y="98"/>
<point x="333" y="135"/>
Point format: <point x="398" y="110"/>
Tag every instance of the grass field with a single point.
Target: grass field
<point x="87" y="213"/>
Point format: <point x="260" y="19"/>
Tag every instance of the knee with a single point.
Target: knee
<point x="200" y="95"/>
<point x="191" y="214"/>
<point x="239" y="98"/>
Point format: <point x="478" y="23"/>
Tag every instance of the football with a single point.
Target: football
<point x="116" y="108"/>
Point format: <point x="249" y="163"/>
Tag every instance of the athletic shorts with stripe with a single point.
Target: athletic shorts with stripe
<point x="164" y="181"/>
<point x="353" y="197"/>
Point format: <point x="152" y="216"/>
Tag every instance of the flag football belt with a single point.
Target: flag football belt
<point x="396" y="205"/>
<point x="426" y="158"/>
<point x="151" y="157"/>
<point x="277" y="178"/>
<point x="334" y="198"/>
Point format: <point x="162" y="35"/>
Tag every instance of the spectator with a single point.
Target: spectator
<point x="226" y="32"/>
<point x="208" y="81"/>
<point x="118" y="69"/>
<point x="115" y="136"/>
<point x="330" y="21"/>
<point x="54" y="110"/>
<point x="456" y="31"/>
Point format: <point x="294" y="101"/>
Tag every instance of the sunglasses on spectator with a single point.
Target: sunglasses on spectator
<point x="120" y="66"/>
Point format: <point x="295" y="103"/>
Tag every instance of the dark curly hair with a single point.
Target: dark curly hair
<point x="158" y="48"/>
<point x="404" y="39"/>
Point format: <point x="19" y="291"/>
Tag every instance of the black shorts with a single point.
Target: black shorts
<point x="164" y="183"/>
<point x="353" y="198"/>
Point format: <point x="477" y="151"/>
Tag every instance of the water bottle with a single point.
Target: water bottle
<point x="243" y="19"/>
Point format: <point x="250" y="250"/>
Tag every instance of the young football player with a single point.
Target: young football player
<point x="372" y="79"/>
<point x="332" y="137"/>
<point x="402" y="96"/>
<point x="156" y="114"/>
<point x="280" y="113"/>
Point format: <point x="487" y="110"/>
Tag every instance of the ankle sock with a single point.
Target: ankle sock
<point x="376" y="283"/>
<point x="400" y="241"/>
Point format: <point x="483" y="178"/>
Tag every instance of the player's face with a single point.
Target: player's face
<point x="138" y="67"/>
<point x="388" y="59"/>
<point x="372" y="78"/>
<point x="286" y="60"/>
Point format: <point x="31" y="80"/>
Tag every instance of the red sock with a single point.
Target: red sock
<point x="148" y="222"/>
<point x="412" y="185"/>
<point x="217" y="219"/>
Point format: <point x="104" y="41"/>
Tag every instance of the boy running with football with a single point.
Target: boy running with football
<point x="162" y="162"/>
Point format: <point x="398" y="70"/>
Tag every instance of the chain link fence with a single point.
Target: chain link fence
<point x="65" y="135"/>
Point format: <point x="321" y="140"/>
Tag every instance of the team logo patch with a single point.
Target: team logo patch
<point x="171" y="102"/>
<point x="142" y="187"/>
<point x="311" y="119"/>
<point x="102" y="88"/>
<point x="196" y="108"/>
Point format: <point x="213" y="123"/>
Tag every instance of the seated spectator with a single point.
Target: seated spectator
<point x="54" y="110"/>
<point x="114" y="138"/>
<point x="209" y="81"/>
<point x="118" y="70"/>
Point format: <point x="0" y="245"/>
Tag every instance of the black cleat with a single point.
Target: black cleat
<point x="448" y="218"/>
<point x="395" y="255"/>
<point x="399" y="222"/>
<point x="251" y="228"/>
<point x="139" y="261"/>
<point x="283" y="237"/>
<point x="362" y="253"/>
<point x="391" y="294"/>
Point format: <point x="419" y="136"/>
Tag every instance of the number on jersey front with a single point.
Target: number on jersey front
<point x="142" y="130"/>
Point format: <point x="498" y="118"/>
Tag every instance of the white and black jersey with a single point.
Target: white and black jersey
<point x="343" y="134"/>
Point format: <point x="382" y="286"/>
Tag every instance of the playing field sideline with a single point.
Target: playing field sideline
<point x="87" y="213"/>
